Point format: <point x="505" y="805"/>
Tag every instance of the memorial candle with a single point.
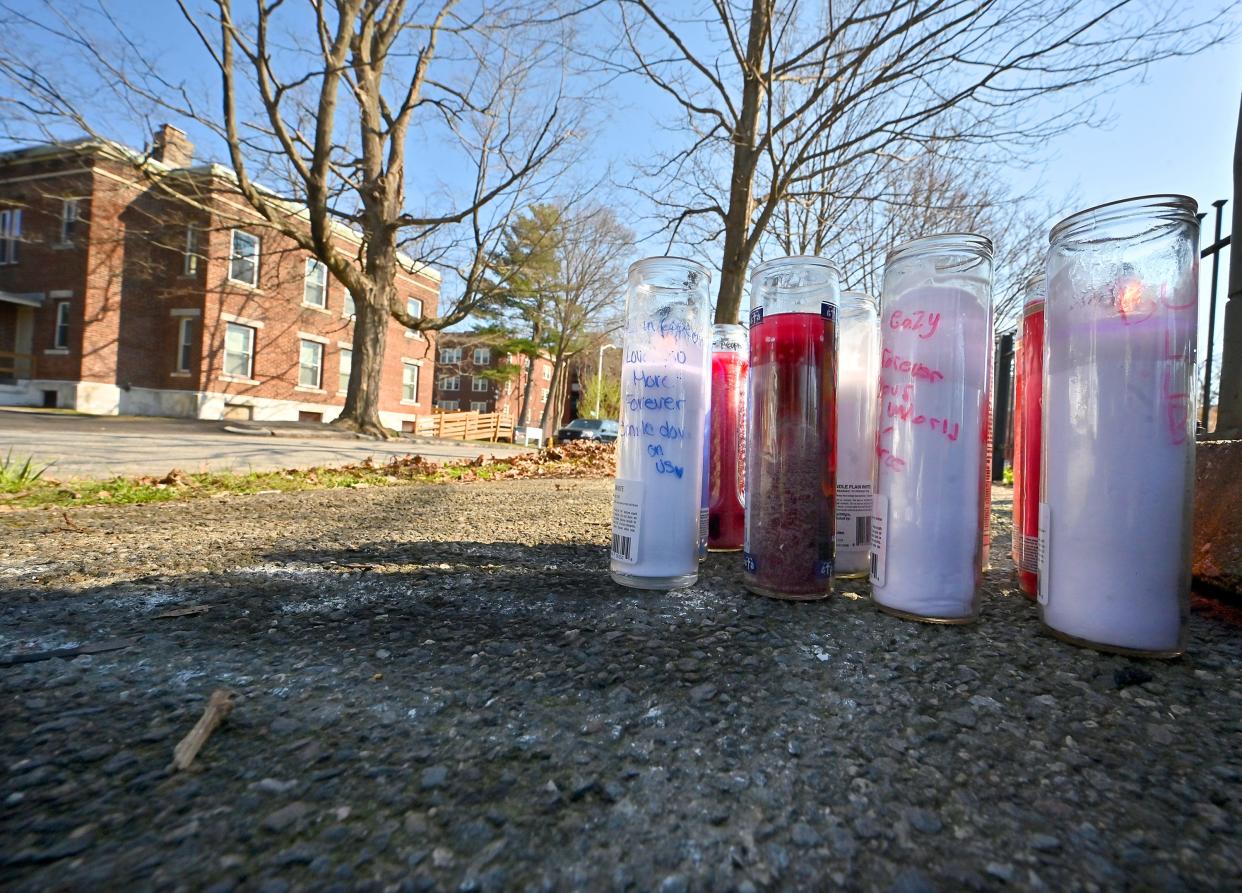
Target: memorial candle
<point x="727" y="516"/>
<point x="1015" y="546"/>
<point x="790" y="441"/>
<point x="1031" y="406"/>
<point x="858" y="377"/>
<point x="1118" y="425"/>
<point x="659" y="486"/>
<point x="936" y="342"/>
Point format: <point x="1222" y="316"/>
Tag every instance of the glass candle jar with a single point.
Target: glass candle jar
<point x="1118" y="425"/>
<point x="858" y="379"/>
<point x="791" y="430"/>
<point x="1015" y="545"/>
<point x="936" y="346"/>
<point x="1026" y="502"/>
<point x="659" y="485"/>
<point x="726" y="515"/>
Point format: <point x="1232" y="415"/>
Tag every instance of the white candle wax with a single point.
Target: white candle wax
<point x="936" y="341"/>
<point x="660" y="456"/>
<point x="1118" y="459"/>
<point x="856" y="395"/>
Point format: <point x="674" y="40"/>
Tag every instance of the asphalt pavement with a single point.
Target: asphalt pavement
<point x="84" y="446"/>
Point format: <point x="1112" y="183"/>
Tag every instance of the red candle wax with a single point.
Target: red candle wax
<point x="726" y="513"/>
<point x="1032" y="410"/>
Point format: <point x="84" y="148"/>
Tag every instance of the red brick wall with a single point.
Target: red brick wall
<point x="501" y="396"/>
<point x="126" y="275"/>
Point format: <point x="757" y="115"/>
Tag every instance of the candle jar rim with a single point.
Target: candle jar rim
<point x="1171" y="207"/>
<point x="811" y="260"/>
<point x="943" y="243"/>
<point x="1034" y="291"/>
<point x="671" y="260"/>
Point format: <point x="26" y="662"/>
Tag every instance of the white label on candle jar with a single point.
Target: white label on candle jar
<point x="1042" y="562"/>
<point x="854" y="507"/>
<point x="879" y="551"/>
<point x="626" y="513"/>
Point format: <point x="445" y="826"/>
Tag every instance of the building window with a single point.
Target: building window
<point x="68" y="219"/>
<point x="60" y="338"/>
<point x="409" y="382"/>
<point x="310" y="363"/>
<point x="189" y="260"/>
<point x="449" y="405"/>
<point x="547" y="373"/>
<point x="347" y="364"/>
<point x="315" y="290"/>
<point x="414" y="307"/>
<point x="478" y="406"/>
<point x="244" y="259"/>
<point x="450" y="354"/>
<point x="185" y="343"/>
<point x="482" y="356"/>
<point x="450" y="382"/>
<point x="350" y="308"/>
<point x="544" y="397"/>
<point x="480" y="384"/>
<point x="10" y="234"/>
<point x="238" y="350"/>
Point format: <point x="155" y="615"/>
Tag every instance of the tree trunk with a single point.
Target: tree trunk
<point x="535" y="332"/>
<point x="737" y="247"/>
<point x="1229" y="401"/>
<point x="557" y="371"/>
<point x="366" y="369"/>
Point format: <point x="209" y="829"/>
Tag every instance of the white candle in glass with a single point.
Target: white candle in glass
<point x="1118" y="460"/>
<point x="858" y="370"/>
<point x="936" y="340"/>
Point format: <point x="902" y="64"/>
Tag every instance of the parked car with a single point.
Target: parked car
<point x="602" y="430"/>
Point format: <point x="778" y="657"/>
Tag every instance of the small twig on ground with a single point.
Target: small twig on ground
<point x="219" y="705"/>
<point x="71" y="526"/>
<point x="189" y="611"/>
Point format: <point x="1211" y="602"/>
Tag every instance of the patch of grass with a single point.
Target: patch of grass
<point x="17" y="473"/>
<point x="36" y="491"/>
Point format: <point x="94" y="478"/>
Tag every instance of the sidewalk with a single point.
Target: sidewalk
<point x="438" y="687"/>
<point x="105" y="446"/>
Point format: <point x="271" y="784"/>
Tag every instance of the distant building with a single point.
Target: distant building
<point x="116" y="297"/>
<point x="472" y="373"/>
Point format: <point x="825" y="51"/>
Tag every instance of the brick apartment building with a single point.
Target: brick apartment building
<point x="116" y="297"/>
<point x="461" y="382"/>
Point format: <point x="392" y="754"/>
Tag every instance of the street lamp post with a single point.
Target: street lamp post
<point x="599" y="375"/>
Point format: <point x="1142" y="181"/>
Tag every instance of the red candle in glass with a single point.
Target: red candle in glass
<point x="726" y="522"/>
<point x="791" y="442"/>
<point x="1016" y="459"/>
<point x="1032" y="410"/>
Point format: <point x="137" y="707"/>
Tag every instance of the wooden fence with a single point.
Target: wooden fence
<point x="491" y="426"/>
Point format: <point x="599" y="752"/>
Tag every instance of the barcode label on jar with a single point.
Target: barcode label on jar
<point x="1042" y="563"/>
<point x="626" y="517"/>
<point x="879" y="548"/>
<point x="853" y="511"/>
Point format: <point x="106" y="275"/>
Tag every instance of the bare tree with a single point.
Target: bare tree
<point x="758" y="83"/>
<point x="318" y="106"/>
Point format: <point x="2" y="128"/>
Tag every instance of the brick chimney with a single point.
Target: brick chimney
<point x="172" y="147"/>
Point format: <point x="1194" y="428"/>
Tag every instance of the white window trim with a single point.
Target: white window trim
<point x="60" y="293"/>
<point x="242" y="320"/>
<point x="306" y="281"/>
<point x="11" y="234"/>
<point x="486" y="362"/>
<point x="322" y="342"/>
<point x="474" y="403"/>
<point x="228" y="376"/>
<point x="454" y="351"/>
<point x="345" y="314"/>
<point x="66" y="241"/>
<point x="310" y="337"/>
<point x="237" y="378"/>
<point x="61" y="304"/>
<point x="450" y="383"/>
<point x="185" y="311"/>
<point x="410" y="361"/>
<point x="190" y="253"/>
<point x="479" y="380"/>
<point x="258" y="255"/>
<point x="183" y="323"/>
<point x="341" y="347"/>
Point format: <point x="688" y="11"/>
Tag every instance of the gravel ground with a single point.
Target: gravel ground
<point x="438" y="688"/>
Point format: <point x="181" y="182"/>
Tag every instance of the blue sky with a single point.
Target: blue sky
<point x="1172" y="132"/>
